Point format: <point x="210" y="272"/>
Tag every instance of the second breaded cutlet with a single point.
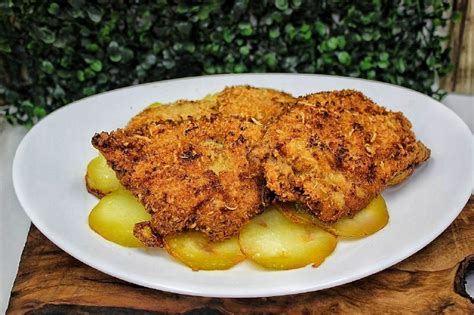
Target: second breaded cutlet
<point x="190" y="175"/>
<point x="335" y="151"/>
<point x="260" y="104"/>
<point x="176" y="111"/>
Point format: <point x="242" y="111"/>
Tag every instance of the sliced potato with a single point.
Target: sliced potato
<point x="365" y="222"/>
<point x="115" y="215"/>
<point x="273" y="241"/>
<point x="100" y="178"/>
<point x="195" y="250"/>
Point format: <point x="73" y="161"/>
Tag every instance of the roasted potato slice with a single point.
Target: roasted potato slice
<point x="115" y="215"/>
<point x="273" y="241"/>
<point x="100" y="178"/>
<point x="365" y="222"/>
<point x="194" y="250"/>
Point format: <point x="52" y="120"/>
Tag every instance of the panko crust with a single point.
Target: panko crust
<point x="190" y="175"/>
<point x="260" y="104"/>
<point x="176" y="111"/>
<point x="336" y="151"/>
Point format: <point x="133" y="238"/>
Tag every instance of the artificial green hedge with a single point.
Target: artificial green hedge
<point x="52" y="53"/>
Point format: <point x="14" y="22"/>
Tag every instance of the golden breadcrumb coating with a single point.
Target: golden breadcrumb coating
<point x="190" y="175"/>
<point x="336" y="151"/>
<point x="177" y="111"/>
<point x="261" y="104"/>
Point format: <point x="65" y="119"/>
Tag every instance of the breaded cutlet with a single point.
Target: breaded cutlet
<point x="335" y="151"/>
<point x="176" y="111"/>
<point x="261" y="104"/>
<point x="190" y="175"/>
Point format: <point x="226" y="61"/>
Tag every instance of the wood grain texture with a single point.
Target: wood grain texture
<point x="51" y="281"/>
<point x="461" y="36"/>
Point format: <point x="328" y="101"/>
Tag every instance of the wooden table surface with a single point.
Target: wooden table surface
<point x="431" y="282"/>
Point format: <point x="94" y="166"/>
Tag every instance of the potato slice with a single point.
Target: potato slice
<point x="115" y="215"/>
<point x="195" y="250"/>
<point x="100" y="178"/>
<point x="273" y="241"/>
<point x="365" y="222"/>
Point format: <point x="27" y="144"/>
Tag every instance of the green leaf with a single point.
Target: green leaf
<point x="96" y="65"/>
<point x="53" y="8"/>
<point x="367" y="36"/>
<point x="296" y="3"/>
<point x="127" y="54"/>
<point x="270" y="59"/>
<point x="39" y="112"/>
<point x="281" y="4"/>
<point x="291" y="31"/>
<point x="27" y="104"/>
<point x="383" y="64"/>
<point x="431" y="61"/>
<point x="400" y="65"/>
<point x="80" y="75"/>
<point x="371" y="75"/>
<point x="341" y="42"/>
<point x="92" y="47"/>
<point x="76" y="4"/>
<point x="150" y="60"/>
<point x="46" y="35"/>
<point x="244" y="50"/>
<point x="47" y="66"/>
<point x="344" y="58"/>
<point x="240" y="68"/>
<point x="89" y="73"/>
<point x="95" y="14"/>
<point x="321" y="28"/>
<point x="89" y="90"/>
<point x="245" y="29"/>
<point x="228" y="36"/>
<point x="332" y="43"/>
<point x="383" y="56"/>
<point x="274" y="33"/>
<point x="366" y="64"/>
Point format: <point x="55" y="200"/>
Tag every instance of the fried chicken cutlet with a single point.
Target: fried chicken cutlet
<point x="176" y="111"/>
<point x="190" y="175"/>
<point x="261" y="104"/>
<point x="335" y="151"/>
<point x="244" y="101"/>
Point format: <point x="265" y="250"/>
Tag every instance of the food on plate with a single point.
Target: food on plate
<point x="197" y="177"/>
<point x="176" y="111"/>
<point x="261" y="104"/>
<point x="195" y="250"/>
<point x="273" y="241"/>
<point x="333" y="152"/>
<point x="190" y="175"/>
<point x="115" y="216"/>
<point x="100" y="178"/>
<point x="244" y="101"/>
<point x="367" y="221"/>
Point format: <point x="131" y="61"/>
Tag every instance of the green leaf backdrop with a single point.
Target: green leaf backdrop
<point x="52" y="53"/>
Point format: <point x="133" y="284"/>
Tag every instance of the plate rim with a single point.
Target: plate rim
<point x="274" y="292"/>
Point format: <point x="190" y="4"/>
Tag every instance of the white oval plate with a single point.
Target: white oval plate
<point x="50" y="163"/>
